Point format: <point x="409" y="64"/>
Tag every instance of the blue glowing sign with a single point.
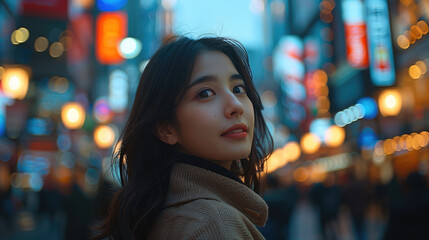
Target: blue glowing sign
<point x="367" y="138"/>
<point x="382" y="66"/>
<point x="110" y="5"/>
<point x="370" y="107"/>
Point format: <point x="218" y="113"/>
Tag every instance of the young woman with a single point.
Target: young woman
<point x="193" y="147"/>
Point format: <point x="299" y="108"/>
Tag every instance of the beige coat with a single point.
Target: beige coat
<point x="202" y="204"/>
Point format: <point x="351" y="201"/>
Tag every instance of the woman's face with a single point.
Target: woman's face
<point x="215" y="119"/>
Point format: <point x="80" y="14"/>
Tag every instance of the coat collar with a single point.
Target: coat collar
<point x="189" y="182"/>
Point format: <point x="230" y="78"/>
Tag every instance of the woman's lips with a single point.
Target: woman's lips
<point x="237" y="131"/>
<point x="236" y="135"/>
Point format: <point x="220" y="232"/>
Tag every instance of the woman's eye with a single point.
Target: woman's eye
<point x="205" y="93"/>
<point x="239" y="89"/>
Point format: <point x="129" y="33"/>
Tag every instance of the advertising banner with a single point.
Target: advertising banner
<point x="111" y="28"/>
<point x="380" y="44"/>
<point x="355" y="31"/>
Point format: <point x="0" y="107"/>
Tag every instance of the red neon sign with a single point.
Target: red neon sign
<point x="111" y="28"/>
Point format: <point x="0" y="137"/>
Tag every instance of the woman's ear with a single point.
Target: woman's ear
<point x="167" y="133"/>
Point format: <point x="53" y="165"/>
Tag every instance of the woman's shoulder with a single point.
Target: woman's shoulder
<point x="201" y="209"/>
<point x="202" y="217"/>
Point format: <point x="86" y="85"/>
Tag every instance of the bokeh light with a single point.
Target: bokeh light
<point x="334" y="136"/>
<point x="104" y="136"/>
<point x="414" y="72"/>
<point x="130" y="48"/>
<point x="310" y="143"/>
<point x="403" y="42"/>
<point x="56" y="49"/>
<point x="390" y="102"/>
<point x="41" y="44"/>
<point x="292" y="151"/>
<point x="73" y="115"/>
<point x="15" y="82"/>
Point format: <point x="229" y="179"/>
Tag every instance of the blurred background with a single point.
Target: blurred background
<point x="344" y="84"/>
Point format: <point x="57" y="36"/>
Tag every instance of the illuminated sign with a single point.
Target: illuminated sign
<point x="111" y="28"/>
<point x="110" y="5"/>
<point x="355" y="30"/>
<point x="289" y="69"/>
<point x="380" y="45"/>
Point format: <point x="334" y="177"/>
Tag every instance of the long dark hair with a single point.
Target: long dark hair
<point x="143" y="160"/>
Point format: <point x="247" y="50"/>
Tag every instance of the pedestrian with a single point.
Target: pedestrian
<point x="193" y="147"/>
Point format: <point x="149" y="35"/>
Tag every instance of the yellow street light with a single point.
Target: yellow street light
<point x="334" y="136"/>
<point x="292" y="151"/>
<point x="390" y="102"/>
<point x="73" y="115"/>
<point x="104" y="136"/>
<point x="310" y="143"/>
<point x="15" y="82"/>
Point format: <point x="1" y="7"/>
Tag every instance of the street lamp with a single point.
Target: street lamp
<point x="390" y="102"/>
<point x="73" y="115"/>
<point x="334" y="136"/>
<point x="15" y="82"/>
<point x="310" y="143"/>
<point x="104" y="136"/>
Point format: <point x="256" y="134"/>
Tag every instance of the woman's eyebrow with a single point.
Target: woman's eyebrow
<point x="211" y="78"/>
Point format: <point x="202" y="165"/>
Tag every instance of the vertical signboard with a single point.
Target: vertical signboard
<point x="355" y="31"/>
<point x="290" y="71"/>
<point x="380" y="44"/>
<point x="111" y="28"/>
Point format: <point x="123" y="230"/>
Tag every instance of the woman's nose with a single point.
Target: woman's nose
<point x="233" y="106"/>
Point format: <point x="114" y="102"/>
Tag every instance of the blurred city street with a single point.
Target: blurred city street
<point x="344" y="85"/>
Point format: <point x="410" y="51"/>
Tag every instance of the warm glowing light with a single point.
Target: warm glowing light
<point x="292" y="151"/>
<point x="2" y="70"/>
<point x="408" y="143"/>
<point x="19" y="36"/>
<point x="406" y="2"/>
<point x="301" y="174"/>
<point x="111" y="28"/>
<point x="323" y="103"/>
<point x="403" y="41"/>
<point x="334" y="136"/>
<point x="418" y="141"/>
<point x="425" y="136"/>
<point x="104" y="136"/>
<point x="41" y="44"/>
<point x="399" y="143"/>
<point x="390" y="102"/>
<point x="414" y="72"/>
<point x="73" y="115"/>
<point x="66" y="41"/>
<point x="13" y="38"/>
<point x="277" y="160"/>
<point x="423" y="26"/>
<point x="15" y="82"/>
<point x="422" y="66"/>
<point x="22" y="35"/>
<point x="320" y="77"/>
<point x="389" y="146"/>
<point x="56" y="49"/>
<point x="378" y="149"/>
<point x="416" y="32"/>
<point x="310" y="143"/>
